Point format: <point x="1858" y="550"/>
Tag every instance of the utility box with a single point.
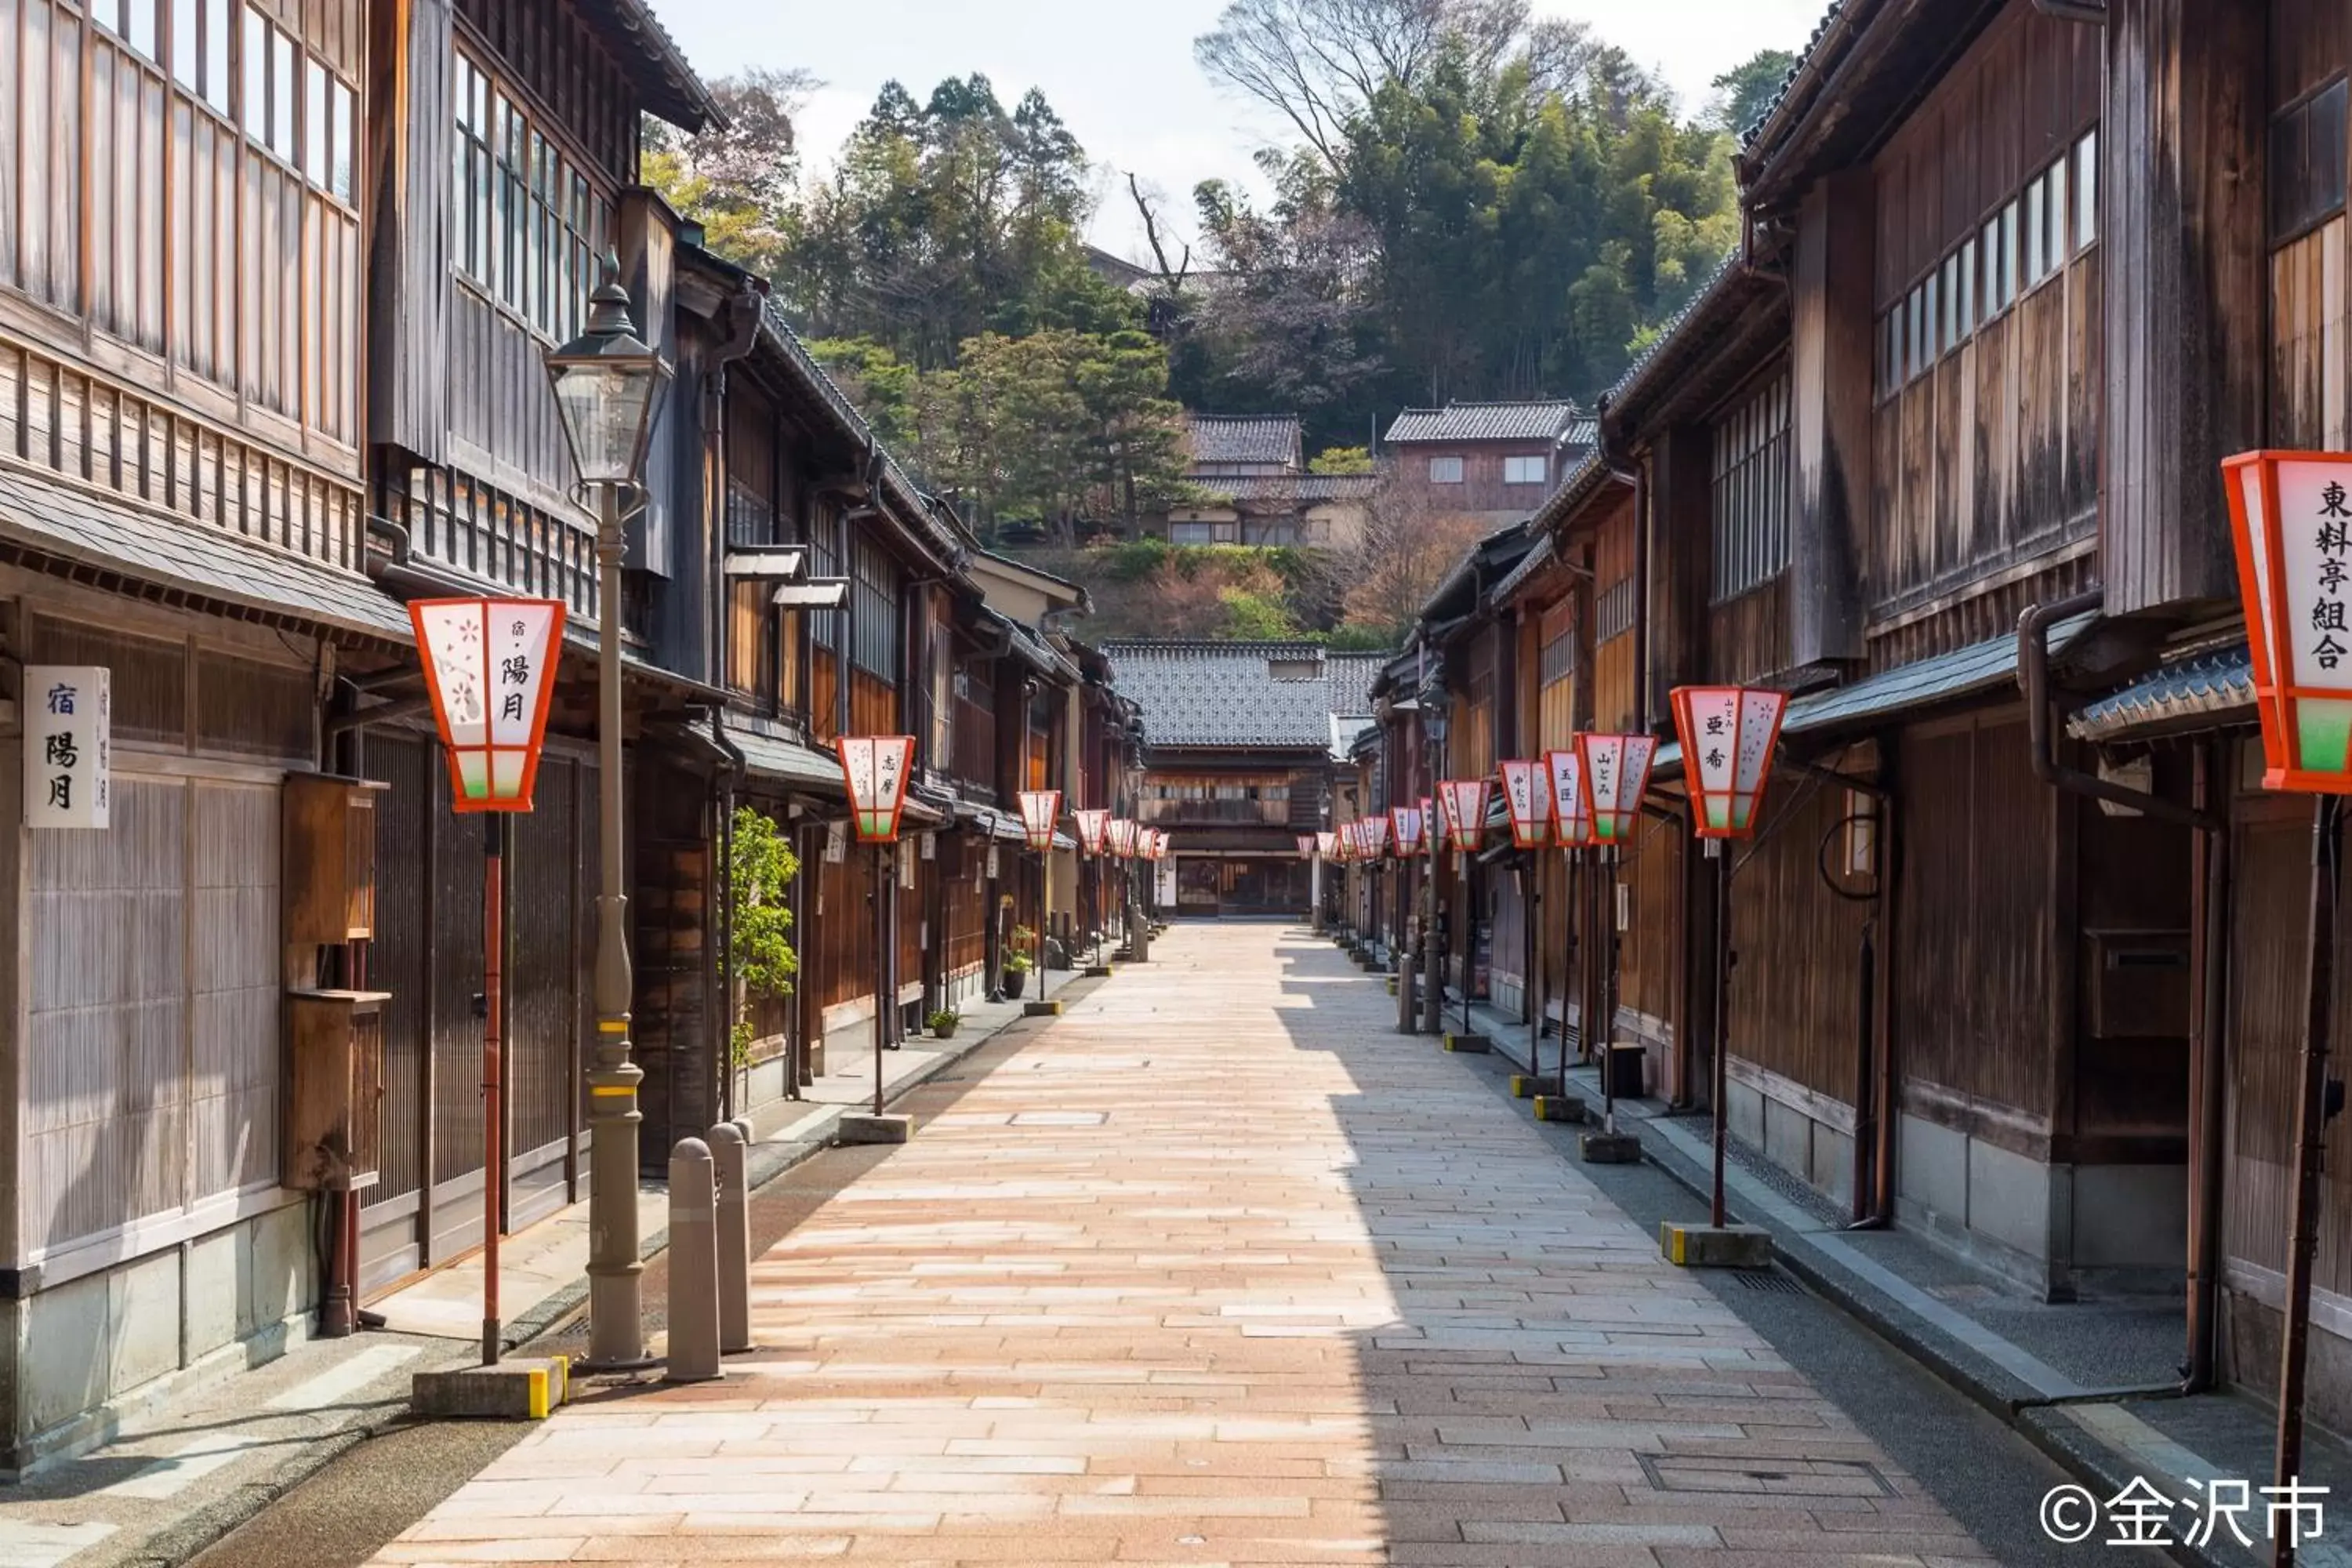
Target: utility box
<point x="334" y="1129"/>
<point x="328" y="865"/>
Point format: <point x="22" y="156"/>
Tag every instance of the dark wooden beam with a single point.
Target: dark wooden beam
<point x="2186" y="290"/>
<point x="1831" y="376"/>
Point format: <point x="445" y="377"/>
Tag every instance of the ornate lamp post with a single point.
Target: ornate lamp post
<point x="1729" y="734"/>
<point x="875" y="770"/>
<point x="2292" y="515"/>
<point x="1040" y="810"/>
<point x="608" y="389"/>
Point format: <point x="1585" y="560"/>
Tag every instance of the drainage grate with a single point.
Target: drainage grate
<point x="1771" y="1280"/>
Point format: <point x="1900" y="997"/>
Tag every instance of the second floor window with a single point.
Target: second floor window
<point x="1524" y="470"/>
<point x="526" y="226"/>
<point x="874" y="610"/>
<point x="1444" y="470"/>
<point x="1750" y="491"/>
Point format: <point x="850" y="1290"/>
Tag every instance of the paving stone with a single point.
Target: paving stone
<point x="1215" y="1269"/>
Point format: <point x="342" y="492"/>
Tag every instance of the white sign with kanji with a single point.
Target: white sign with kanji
<point x="68" y="731"/>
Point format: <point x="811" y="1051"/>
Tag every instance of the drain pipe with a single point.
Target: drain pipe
<point x="2211" y="880"/>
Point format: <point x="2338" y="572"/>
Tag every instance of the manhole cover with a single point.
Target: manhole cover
<point x="1785" y="1477"/>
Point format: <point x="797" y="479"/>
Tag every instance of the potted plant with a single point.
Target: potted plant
<point x="1016" y="974"/>
<point x="943" y="1023"/>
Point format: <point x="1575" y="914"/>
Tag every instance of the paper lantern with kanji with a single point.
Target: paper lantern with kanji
<point x="1327" y="844"/>
<point x="1306" y="847"/>
<point x="1464" y="811"/>
<point x="1410" y="827"/>
<point x="875" y="768"/>
<point x="1094" y="831"/>
<point x="2292" y="515"/>
<point x="1728" y="734"/>
<point x="1376" y="835"/>
<point x="1616" y="775"/>
<point x="490" y="664"/>
<point x="1040" y="810"/>
<point x="1572" y="805"/>
<point x="1526" y="795"/>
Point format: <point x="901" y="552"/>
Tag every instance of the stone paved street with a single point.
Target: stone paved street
<point x="1217" y="1268"/>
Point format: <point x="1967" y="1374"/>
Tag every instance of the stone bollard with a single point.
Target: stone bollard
<point x="734" y="1236"/>
<point x="693" y="1265"/>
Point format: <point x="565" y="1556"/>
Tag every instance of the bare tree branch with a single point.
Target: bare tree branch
<point x="1172" y="279"/>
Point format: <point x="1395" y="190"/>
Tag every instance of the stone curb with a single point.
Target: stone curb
<point x="2024" y="1409"/>
<point x="206" y="1527"/>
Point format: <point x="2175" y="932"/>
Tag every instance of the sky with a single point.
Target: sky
<point x="1121" y="74"/>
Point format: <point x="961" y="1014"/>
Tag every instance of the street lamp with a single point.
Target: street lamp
<point x="1040" y="810"/>
<point x="1729" y="734"/>
<point x="608" y="389"/>
<point x="2291" y="516"/>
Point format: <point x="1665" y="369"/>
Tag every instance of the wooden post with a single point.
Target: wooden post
<point x="2311" y="1131"/>
<point x="493" y="1098"/>
<point x="1721" y="853"/>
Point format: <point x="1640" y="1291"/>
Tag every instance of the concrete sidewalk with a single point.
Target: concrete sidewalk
<point x="197" y="1464"/>
<point x="2093" y="1383"/>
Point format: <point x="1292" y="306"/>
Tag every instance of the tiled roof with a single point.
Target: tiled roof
<point x="1482" y="422"/>
<point x="1305" y="490"/>
<point x="1228" y="695"/>
<point x="216" y="570"/>
<point x="1351" y="676"/>
<point x="655" y="63"/>
<point x="1750" y="133"/>
<point x="1248" y="438"/>
<point x="2209" y="685"/>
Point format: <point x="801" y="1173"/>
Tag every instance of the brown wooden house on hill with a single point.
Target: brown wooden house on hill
<point x="1498" y="461"/>
<point x="1252" y="486"/>
<point x="2020" y="943"/>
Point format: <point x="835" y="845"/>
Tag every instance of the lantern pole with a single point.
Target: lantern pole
<point x="1572" y="883"/>
<point x="1606" y="941"/>
<point x="2311" y="1131"/>
<point x="1407" y="956"/>
<point x="1045" y="907"/>
<point x="882" y="998"/>
<point x="1720" y="853"/>
<point x="494" y="836"/>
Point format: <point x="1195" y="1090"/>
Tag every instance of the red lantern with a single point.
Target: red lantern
<point x="2292" y="515"/>
<point x="1464" y="812"/>
<point x="1572" y="805"/>
<point x="1306" y="847"/>
<point x="1728" y="735"/>
<point x="1616" y="775"/>
<point x="1410" y="825"/>
<point x="1094" y="831"/>
<point x="1527" y="792"/>
<point x="1040" y="809"/>
<point x="488" y="665"/>
<point x="1376" y="835"/>
<point x="875" y="768"/>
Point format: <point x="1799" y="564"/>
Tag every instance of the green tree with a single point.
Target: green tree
<point x="760" y="866"/>
<point x="1744" y="92"/>
<point x="1341" y="460"/>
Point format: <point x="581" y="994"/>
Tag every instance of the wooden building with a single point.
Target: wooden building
<point x="1242" y="744"/>
<point x="2019" y="939"/>
<point x="276" y="284"/>
<point x="1498" y="461"/>
<point x="1251" y="485"/>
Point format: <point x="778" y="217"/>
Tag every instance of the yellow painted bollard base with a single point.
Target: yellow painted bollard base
<point x="1558" y="1108"/>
